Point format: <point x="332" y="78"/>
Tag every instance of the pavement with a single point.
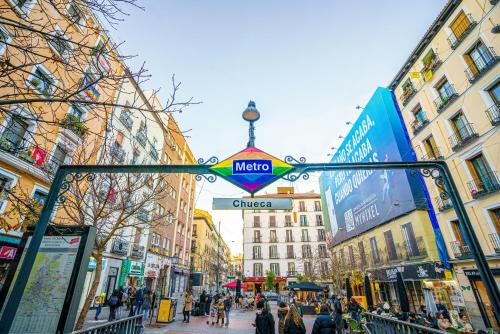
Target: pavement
<point x="240" y="323"/>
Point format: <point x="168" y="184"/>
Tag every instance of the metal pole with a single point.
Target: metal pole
<point x="251" y="135"/>
<point x="218" y="260"/>
<point x="10" y="308"/>
<point x="470" y="235"/>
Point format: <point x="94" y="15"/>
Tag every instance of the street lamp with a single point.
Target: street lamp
<point x="251" y="115"/>
<point x="174" y="260"/>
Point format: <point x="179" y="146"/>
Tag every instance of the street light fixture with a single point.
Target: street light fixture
<point x="174" y="260"/>
<point x="251" y="115"/>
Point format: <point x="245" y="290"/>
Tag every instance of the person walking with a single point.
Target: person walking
<point x="293" y="322"/>
<point x="227" y="307"/>
<point x="220" y="310"/>
<point x="208" y="304"/>
<point x="264" y="321"/>
<point x="354" y="308"/>
<point x="324" y="323"/>
<point x="146" y="304"/>
<point x="132" y="291"/>
<point x="114" y="303"/>
<point x="188" y="306"/>
<point x="282" y="311"/>
<point x="337" y="308"/>
<point x="203" y="302"/>
<point x="98" y="307"/>
<point x="139" y="300"/>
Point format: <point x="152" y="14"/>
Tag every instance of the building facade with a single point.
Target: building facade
<point x="448" y="91"/>
<point x="286" y="242"/>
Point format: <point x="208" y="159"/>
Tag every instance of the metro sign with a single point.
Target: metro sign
<point x="252" y="169"/>
<point x="8" y="253"/>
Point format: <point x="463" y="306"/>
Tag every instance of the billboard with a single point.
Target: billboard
<point x="355" y="201"/>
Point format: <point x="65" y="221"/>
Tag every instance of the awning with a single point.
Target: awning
<point x="232" y="285"/>
<point x="304" y="286"/>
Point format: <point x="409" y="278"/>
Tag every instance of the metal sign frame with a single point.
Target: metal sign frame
<point x="65" y="175"/>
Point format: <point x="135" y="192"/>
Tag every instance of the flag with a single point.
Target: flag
<point x="414" y="75"/>
<point x="92" y="93"/>
<point x="428" y="75"/>
<point x="39" y="156"/>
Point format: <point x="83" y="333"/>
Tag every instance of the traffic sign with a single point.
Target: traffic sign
<point x="252" y="204"/>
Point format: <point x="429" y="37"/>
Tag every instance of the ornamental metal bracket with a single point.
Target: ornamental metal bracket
<point x="438" y="179"/>
<point x="294" y="176"/>
<point x="70" y="178"/>
<point x="210" y="177"/>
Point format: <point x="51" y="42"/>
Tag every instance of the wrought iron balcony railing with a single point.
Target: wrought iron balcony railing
<point x="435" y="154"/>
<point x="273" y="240"/>
<point x="305" y="239"/>
<point x="292" y="273"/>
<point x="463" y="136"/>
<point x="117" y="152"/>
<point x="290" y="256"/>
<point x="274" y="256"/>
<point x="141" y="138"/>
<point x="125" y="118"/>
<point x="462" y="30"/>
<point x="446" y="98"/>
<point x="432" y="65"/>
<point x="257" y="240"/>
<point x="460" y="249"/>
<point x="289" y="239"/>
<point x="482" y="64"/>
<point x="493" y="114"/>
<point x="257" y="257"/>
<point x="495" y="242"/>
<point x="408" y="94"/>
<point x="419" y="124"/>
<point x="485" y="184"/>
<point x="443" y="204"/>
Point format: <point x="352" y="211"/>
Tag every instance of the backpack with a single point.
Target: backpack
<point x="124" y="297"/>
<point x="113" y="301"/>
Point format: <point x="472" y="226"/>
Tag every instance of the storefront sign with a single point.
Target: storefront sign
<point x="8" y="253"/>
<point x="474" y="273"/>
<point x="135" y="268"/>
<point x="252" y="203"/>
<point x="251" y="169"/>
<point x="420" y="271"/>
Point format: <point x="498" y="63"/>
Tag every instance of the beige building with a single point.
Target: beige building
<point x="449" y="94"/>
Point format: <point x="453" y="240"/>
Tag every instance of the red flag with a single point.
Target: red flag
<point x="39" y="156"/>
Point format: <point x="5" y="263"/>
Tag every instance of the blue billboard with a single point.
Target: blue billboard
<point x="358" y="200"/>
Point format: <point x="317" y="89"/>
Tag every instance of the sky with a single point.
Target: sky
<point x="306" y="64"/>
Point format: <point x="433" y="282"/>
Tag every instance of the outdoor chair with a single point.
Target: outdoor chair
<point x="355" y="326"/>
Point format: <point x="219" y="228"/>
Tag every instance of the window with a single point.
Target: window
<point x="288" y="220"/>
<point x="4" y="39"/>
<point x="317" y="206"/>
<point x="429" y="61"/>
<point x="59" y="155"/>
<point x="322" y="251"/>
<point x="494" y="93"/>
<point x="257" y="269"/>
<point x="303" y="220"/>
<point x="460" y="25"/>
<point x="307" y="268"/>
<point x="306" y="251"/>
<point x="483" y="178"/>
<point x="136" y="155"/>
<point x="256" y="236"/>
<point x="119" y="138"/>
<point x="257" y="255"/>
<point x="302" y="206"/>
<point x="40" y="197"/>
<point x="495" y="219"/>
<point x="324" y="268"/>
<point x="319" y="220"/>
<point x="431" y="150"/>
<point x="321" y="235"/>
<point x="410" y="240"/>
<point x="374" y="248"/>
<point x="352" y="259"/>
<point x="445" y="90"/>
<point x="256" y="221"/>
<point x="76" y="112"/>
<point x="419" y="115"/>
<point x="272" y="221"/>
<point x="362" y="254"/>
<point x="275" y="268"/>
<point x="478" y="59"/>
<point x="305" y="235"/>
<point x="291" y="268"/>
<point x="273" y="252"/>
<point x="289" y="236"/>
<point x="390" y="247"/>
<point x="272" y="236"/>
<point x="408" y="91"/>
<point x="6" y="183"/>
<point x="74" y="13"/>
<point x="13" y="136"/>
<point x="290" y="254"/>
<point x="58" y="42"/>
<point x="24" y="5"/>
<point x="42" y="81"/>
<point x="462" y="129"/>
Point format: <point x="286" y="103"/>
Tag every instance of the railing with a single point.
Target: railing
<point x="273" y="240"/>
<point x="495" y="241"/>
<point x="435" y="154"/>
<point x="463" y="136"/>
<point x="120" y="247"/>
<point x="290" y="256"/>
<point x="137" y="251"/>
<point x="376" y="324"/>
<point x="257" y="257"/>
<point x="117" y="152"/>
<point x="274" y="256"/>
<point x="443" y="204"/>
<point x="418" y="124"/>
<point x="256" y="224"/>
<point x="130" y="325"/>
<point x="287" y="239"/>
<point x="288" y="224"/>
<point x="493" y="114"/>
<point x="154" y="153"/>
<point x="462" y="29"/>
<point x="460" y="249"/>
<point x="305" y="239"/>
<point x="75" y="125"/>
<point x="432" y="65"/>
<point x="257" y="240"/>
<point x="408" y="94"/>
<point x="482" y="64"/>
<point x="125" y="118"/>
<point x="443" y="101"/>
<point x="485" y="184"/>
<point x="292" y="273"/>
<point x="143" y="215"/>
<point x="319" y="222"/>
<point x="141" y="137"/>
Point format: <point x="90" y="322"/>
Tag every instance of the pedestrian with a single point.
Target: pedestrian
<point x="131" y="300"/>
<point x="282" y="311"/>
<point x="122" y="296"/>
<point x="98" y="306"/>
<point x="220" y="311"/>
<point x="203" y="302"/>
<point x="114" y="303"/>
<point x="212" y="313"/>
<point x="293" y="322"/>
<point x="354" y="307"/>
<point x="146" y="304"/>
<point x="138" y="301"/>
<point x="208" y="304"/>
<point x="264" y="321"/>
<point x="337" y="308"/>
<point x="442" y="322"/>
<point x="227" y="307"/>
<point x="188" y="306"/>
<point x="324" y="323"/>
<point x="441" y="308"/>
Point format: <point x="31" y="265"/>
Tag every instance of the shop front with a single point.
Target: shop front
<point x="152" y="271"/>
<point x="8" y="252"/>
<point x="131" y="273"/>
<point x="425" y="282"/>
<point x="482" y="301"/>
<point x="257" y="284"/>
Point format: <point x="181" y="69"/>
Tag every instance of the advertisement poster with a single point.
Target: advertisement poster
<point x="355" y="201"/>
<point x="42" y="302"/>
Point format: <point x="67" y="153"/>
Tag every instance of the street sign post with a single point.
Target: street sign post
<point x="252" y="203"/>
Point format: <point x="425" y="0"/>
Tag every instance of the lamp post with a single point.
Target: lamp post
<point x="251" y="115"/>
<point x="218" y="254"/>
<point x="174" y="260"/>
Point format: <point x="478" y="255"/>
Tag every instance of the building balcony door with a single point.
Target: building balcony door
<point x="484" y="303"/>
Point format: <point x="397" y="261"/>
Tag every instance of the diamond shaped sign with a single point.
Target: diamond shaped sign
<point x="252" y="169"/>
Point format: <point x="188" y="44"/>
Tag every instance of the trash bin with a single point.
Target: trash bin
<point x="166" y="310"/>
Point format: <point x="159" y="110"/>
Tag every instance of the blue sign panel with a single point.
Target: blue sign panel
<point x="356" y="201"/>
<point x="252" y="167"/>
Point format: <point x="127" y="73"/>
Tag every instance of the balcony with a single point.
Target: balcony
<point x="321" y="237"/>
<point x="305" y="239"/>
<point x="481" y="65"/>
<point x="292" y="273"/>
<point x="290" y="256"/>
<point x="117" y="152"/>
<point x="443" y="101"/>
<point x="141" y="138"/>
<point x="432" y="66"/>
<point x="143" y="216"/>
<point x="493" y="114"/>
<point x="407" y="95"/>
<point x="137" y="251"/>
<point x="435" y="154"/>
<point x="274" y="256"/>
<point x="119" y="247"/>
<point x="273" y="240"/>
<point x="495" y="242"/>
<point x="462" y="30"/>
<point x="257" y="257"/>
<point x="459" y="249"/>
<point x="289" y="239"/>
<point x="485" y="184"/>
<point x="463" y="136"/>
<point x="75" y="125"/>
<point x="257" y="225"/>
<point x="154" y="154"/>
<point x="126" y="120"/>
<point x="257" y="240"/>
<point x="288" y="224"/>
<point x="413" y="252"/>
<point x="443" y="204"/>
<point x="419" y="124"/>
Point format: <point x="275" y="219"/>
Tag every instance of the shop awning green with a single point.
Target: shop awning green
<point x="304" y="286"/>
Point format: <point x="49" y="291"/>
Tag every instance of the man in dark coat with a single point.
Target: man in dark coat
<point x="337" y="308"/>
<point x="264" y="320"/>
<point x="324" y="323"/>
<point x="203" y="302"/>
